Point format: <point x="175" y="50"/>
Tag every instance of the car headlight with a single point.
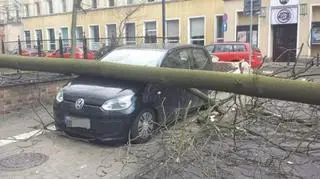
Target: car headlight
<point x="119" y="103"/>
<point x="59" y="96"/>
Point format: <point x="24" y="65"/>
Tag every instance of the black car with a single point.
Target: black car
<point x="107" y="109"/>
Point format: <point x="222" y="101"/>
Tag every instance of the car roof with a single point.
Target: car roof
<point x="160" y="47"/>
<point x="228" y="43"/>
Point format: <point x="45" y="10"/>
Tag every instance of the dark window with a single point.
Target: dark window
<point x="223" y="48"/>
<point x="79" y="35"/>
<point x="130" y="29"/>
<point x="94" y="35"/>
<point x="111" y="3"/>
<point x="243" y="34"/>
<point x="200" y="58"/>
<point x="26" y="7"/>
<point x="239" y="48"/>
<point x="94" y="4"/>
<point x="64" y="6"/>
<point x="197" y="31"/>
<point x="112" y="33"/>
<point x="27" y="36"/>
<point x="220" y="30"/>
<point x="172" y="31"/>
<point x="178" y="59"/>
<point x="151" y="32"/>
<point x="65" y="36"/>
<point x="50" y="6"/>
<point x="52" y="39"/>
<point x="39" y="36"/>
<point x="129" y="1"/>
<point x="150" y="0"/>
<point x="38" y="8"/>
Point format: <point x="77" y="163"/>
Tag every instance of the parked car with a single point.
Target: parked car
<point x="236" y="51"/>
<point x="106" y="109"/>
<point x="27" y="52"/>
<point x="67" y="53"/>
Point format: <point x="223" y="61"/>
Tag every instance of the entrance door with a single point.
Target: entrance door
<point x="284" y="43"/>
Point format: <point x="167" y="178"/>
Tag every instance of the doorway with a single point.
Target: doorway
<point x="284" y="43"/>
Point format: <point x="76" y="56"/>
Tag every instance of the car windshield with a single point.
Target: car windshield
<point x="151" y="58"/>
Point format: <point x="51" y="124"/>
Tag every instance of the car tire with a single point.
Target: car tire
<point x="143" y="127"/>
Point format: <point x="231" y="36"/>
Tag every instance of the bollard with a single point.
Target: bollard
<point x="318" y="56"/>
<point x="39" y="46"/>
<point x="2" y="47"/>
<point x="60" y="46"/>
<point x="19" y="46"/>
<point x="85" y="49"/>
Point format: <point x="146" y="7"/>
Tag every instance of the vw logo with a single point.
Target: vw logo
<point x="79" y="103"/>
<point x="283" y="2"/>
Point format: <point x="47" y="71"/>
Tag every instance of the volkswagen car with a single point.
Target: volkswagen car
<point x="105" y="109"/>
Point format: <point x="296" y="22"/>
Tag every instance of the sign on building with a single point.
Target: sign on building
<point x="256" y="7"/>
<point x="284" y="11"/>
<point x="280" y="3"/>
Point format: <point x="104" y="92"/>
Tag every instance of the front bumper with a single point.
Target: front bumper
<point x="104" y="125"/>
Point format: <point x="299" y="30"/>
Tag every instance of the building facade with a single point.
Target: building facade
<point x="281" y="29"/>
<point x="187" y="21"/>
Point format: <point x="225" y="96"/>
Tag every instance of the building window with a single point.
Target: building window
<point x="27" y="36"/>
<point x="197" y="31"/>
<point x="220" y="30"/>
<point x="130" y="29"/>
<point x="38" y="11"/>
<point x="111" y="34"/>
<point x="129" y="1"/>
<point x="150" y="32"/>
<point x="65" y="36"/>
<point x="150" y="0"/>
<point x="52" y="39"/>
<point x="94" y="37"/>
<point x="39" y="37"/>
<point x="111" y="3"/>
<point x="172" y="28"/>
<point x="94" y="4"/>
<point x="64" y="6"/>
<point x="79" y="35"/>
<point x="243" y="34"/>
<point x="50" y="6"/>
<point x="26" y="9"/>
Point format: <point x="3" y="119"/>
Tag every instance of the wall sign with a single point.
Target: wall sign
<point x="284" y="2"/>
<point x="284" y="15"/>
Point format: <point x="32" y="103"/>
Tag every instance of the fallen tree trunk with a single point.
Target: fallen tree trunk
<point x="251" y="85"/>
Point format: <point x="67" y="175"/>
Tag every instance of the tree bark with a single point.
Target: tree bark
<point x="251" y="85"/>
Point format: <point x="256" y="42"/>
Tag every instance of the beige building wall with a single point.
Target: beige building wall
<point x="182" y="10"/>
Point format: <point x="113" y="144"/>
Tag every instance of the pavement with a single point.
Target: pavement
<point x="67" y="157"/>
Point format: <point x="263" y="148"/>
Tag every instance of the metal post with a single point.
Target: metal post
<point x="76" y="4"/>
<point x="85" y="49"/>
<point x="318" y="56"/>
<point x="60" y="46"/>
<point x="250" y="51"/>
<point x="163" y="21"/>
<point x="19" y="46"/>
<point x="39" y="45"/>
<point x="2" y="46"/>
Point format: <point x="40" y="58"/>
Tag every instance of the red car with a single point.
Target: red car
<point x="28" y="52"/>
<point x="236" y="51"/>
<point x="67" y="53"/>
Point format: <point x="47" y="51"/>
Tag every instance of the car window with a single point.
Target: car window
<point x="178" y="59"/>
<point x="210" y="48"/>
<point x="239" y="48"/>
<point x="200" y="58"/>
<point x="223" y="48"/>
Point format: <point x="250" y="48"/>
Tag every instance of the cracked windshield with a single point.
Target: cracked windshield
<point x="159" y="89"/>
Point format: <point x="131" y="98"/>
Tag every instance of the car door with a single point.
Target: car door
<point x="171" y="99"/>
<point x="201" y="61"/>
<point x="240" y="52"/>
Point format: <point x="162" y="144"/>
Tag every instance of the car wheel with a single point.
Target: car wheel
<point x="143" y="126"/>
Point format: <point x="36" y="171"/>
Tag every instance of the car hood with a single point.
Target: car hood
<point x="96" y="91"/>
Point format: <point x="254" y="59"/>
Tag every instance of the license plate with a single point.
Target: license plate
<point x="77" y="122"/>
